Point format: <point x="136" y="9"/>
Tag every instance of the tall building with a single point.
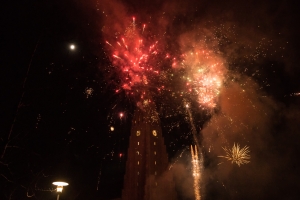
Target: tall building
<point x="147" y="176"/>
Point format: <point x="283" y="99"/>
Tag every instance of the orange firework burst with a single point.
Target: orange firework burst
<point x="205" y="76"/>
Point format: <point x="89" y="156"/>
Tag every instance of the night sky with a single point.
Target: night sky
<point x="59" y="105"/>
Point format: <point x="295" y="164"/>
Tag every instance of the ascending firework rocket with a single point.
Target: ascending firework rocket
<point x="196" y="171"/>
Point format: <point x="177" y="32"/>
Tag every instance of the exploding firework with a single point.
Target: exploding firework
<point x="205" y="74"/>
<point x="196" y="171"/>
<point x="237" y="155"/>
<point x="136" y="57"/>
<point x="143" y="64"/>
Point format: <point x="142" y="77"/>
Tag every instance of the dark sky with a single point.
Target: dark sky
<point x="58" y="105"/>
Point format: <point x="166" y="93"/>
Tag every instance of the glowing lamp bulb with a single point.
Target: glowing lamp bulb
<point x="60" y="186"/>
<point x="112" y="128"/>
<point x="59" y="189"/>
<point x="121" y="114"/>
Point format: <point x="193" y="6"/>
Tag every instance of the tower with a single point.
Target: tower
<point x="146" y="176"/>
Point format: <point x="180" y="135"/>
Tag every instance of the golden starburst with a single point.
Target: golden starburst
<point x="237" y="155"/>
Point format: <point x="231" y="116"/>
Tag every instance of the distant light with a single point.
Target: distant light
<point x="72" y="47"/>
<point x="112" y="128"/>
<point x="60" y="183"/>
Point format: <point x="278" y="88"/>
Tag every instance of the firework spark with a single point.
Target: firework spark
<point x="196" y="171"/>
<point x="88" y="92"/>
<point x="237" y="155"/>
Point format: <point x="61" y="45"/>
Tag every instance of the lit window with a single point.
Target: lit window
<point x="138" y="133"/>
<point x="154" y="133"/>
<point x="155" y="173"/>
<point x="154" y="143"/>
<point x="156" y="183"/>
<point x="137" y="152"/>
<point x="138" y="143"/>
<point x="138" y="162"/>
<point x="154" y="152"/>
<point x="154" y="162"/>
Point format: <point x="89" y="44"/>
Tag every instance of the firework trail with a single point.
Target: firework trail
<point x="237" y="155"/>
<point x="194" y="132"/>
<point x="196" y="171"/>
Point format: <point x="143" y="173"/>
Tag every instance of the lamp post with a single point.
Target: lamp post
<point x="59" y="188"/>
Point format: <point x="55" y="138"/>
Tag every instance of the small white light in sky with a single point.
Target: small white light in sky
<point x="72" y="46"/>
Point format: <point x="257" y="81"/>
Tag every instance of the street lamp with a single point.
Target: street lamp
<point x="59" y="188"/>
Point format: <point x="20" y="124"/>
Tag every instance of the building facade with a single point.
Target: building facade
<point x="147" y="176"/>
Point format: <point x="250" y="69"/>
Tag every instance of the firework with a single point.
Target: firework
<point x="205" y="74"/>
<point x="237" y="155"/>
<point x="135" y="56"/>
<point x="196" y="171"/>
